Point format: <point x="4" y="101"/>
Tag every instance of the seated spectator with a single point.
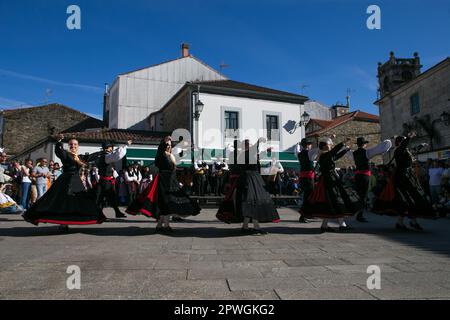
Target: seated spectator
<point x="7" y="204"/>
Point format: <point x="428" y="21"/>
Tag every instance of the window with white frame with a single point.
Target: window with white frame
<point x="231" y="123"/>
<point x="272" y="127"/>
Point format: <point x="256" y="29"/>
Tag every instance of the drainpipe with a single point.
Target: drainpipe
<point x="191" y="124"/>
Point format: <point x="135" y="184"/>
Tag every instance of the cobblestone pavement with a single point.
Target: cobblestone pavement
<point x="206" y="259"/>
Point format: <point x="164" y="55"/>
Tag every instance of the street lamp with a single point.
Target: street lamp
<point x="198" y="109"/>
<point x="305" y="119"/>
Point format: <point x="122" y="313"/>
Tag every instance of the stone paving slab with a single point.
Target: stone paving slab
<point x="206" y="259"/>
<point x="350" y="292"/>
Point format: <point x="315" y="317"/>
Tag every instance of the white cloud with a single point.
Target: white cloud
<point x="48" y="81"/>
<point x="6" y="103"/>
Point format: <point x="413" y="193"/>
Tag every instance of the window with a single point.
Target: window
<point x="272" y="128"/>
<point x="231" y="122"/>
<point x="415" y="103"/>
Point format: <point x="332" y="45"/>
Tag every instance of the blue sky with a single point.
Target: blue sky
<point x="283" y="44"/>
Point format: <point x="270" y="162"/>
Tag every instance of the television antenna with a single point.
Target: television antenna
<point x="48" y="93"/>
<point x="223" y="65"/>
<point x="303" y="86"/>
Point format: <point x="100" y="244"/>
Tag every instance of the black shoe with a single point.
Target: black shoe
<point x="63" y="228"/>
<point x="259" y="232"/>
<point x="159" y="229"/>
<point x="401" y="227"/>
<point x="120" y="215"/>
<point x="360" y="218"/>
<point x="327" y="229"/>
<point x="168" y="229"/>
<point x="415" y="226"/>
<point x="177" y="219"/>
<point x="345" y="229"/>
<point x="247" y="230"/>
<point x="303" y="220"/>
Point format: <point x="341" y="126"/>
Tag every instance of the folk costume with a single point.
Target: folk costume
<point x="330" y="199"/>
<point x="361" y="157"/>
<point x="200" y="177"/>
<point x="403" y="195"/>
<point x="246" y="198"/>
<point x="132" y="180"/>
<point x="306" y="157"/>
<point x="219" y="173"/>
<point x="106" y="187"/>
<point x="164" y="196"/>
<point x="67" y="202"/>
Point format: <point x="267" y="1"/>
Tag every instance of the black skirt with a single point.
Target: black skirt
<point x="162" y="197"/>
<point x="403" y="196"/>
<point x="247" y="197"/>
<point x="330" y="199"/>
<point x="66" y="203"/>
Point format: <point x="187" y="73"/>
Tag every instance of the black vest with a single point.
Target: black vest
<point x="361" y="161"/>
<point x="104" y="169"/>
<point x="305" y="163"/>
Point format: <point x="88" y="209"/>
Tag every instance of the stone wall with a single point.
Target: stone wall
<point x="353" y="129"/>
<point x="22" y="128"/>
<point x="433" y="88"/>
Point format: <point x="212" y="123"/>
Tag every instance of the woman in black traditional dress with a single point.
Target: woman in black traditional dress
<point x="67" y="202"/>
<point x="330" y="199"/>
<point x="164" y="197"/>
<point x="403" y="195"/>
<point x="247" y="199"/>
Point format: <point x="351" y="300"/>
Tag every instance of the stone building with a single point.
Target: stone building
<point x="22" y="128"/>
<point x="414" y="101"/>
<point x="350" y="124"/>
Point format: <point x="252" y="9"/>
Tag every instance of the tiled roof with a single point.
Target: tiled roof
<point x="355" y="115"/>
<point x="322" y="123"/>
<point x="117" y="136"/>
<point x="46" y="106"/>
<point x="231" y="84"/>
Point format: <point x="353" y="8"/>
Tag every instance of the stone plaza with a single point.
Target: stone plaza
<point x="206" y="259"/>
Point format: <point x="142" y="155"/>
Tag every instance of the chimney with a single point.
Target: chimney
<point x="185" y="50"/>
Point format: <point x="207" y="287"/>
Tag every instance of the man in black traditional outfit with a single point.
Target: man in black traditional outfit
<point x="362" y="157"/>
<point x="106" y="186"/>
<point x="306" y="156"/>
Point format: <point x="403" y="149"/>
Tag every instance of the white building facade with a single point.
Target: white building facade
<point x="134" y="95"/>
<point x="233" y="110"/>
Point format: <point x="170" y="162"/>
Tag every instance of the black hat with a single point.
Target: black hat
<point x="361" y="141"/>
<point x="305" y="142"/>
<point x="107" y="144"/>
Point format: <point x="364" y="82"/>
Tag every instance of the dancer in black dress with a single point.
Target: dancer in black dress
<point x="330" y="199"/>
<point x="247" y="199"/>
<point x="67" y="202"/>
<point x="164" y="197"/>
<point x="403" y="195"/>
